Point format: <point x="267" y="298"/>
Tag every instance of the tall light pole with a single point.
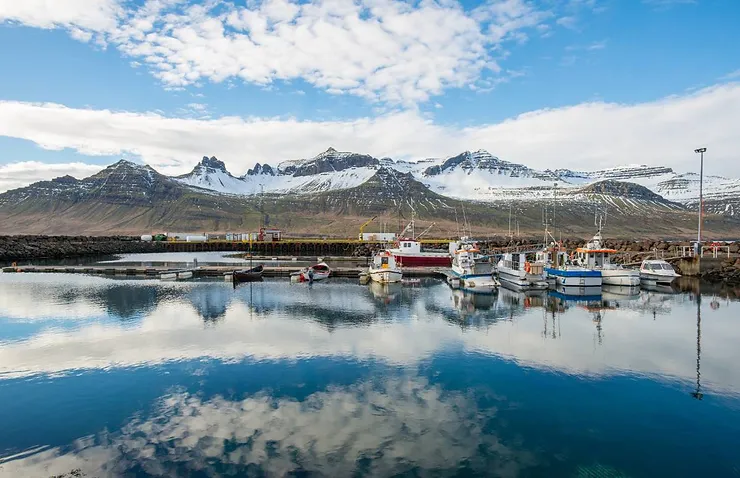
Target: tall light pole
<point x="701" y="151"/>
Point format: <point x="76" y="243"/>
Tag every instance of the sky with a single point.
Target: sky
<point x="579" y="84"/>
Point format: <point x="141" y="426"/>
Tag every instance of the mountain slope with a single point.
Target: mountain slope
<point x="333" y="193"/>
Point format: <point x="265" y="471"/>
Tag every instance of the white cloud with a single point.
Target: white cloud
<point x="567" y="22"/>
<point x="733" y="75"/>
<point x="584" y="136"/>
<point x="16" y="175"/>
<point x="382" y="50"/>
<point x="81" y="16"/>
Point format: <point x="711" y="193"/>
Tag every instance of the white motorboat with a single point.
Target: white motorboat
<point x="594" y="256"/>
<point x="470" y="267"/>
<point x="658" y="271"/>
<point x="515" y="270"/>
<point x="316" y="272"/>
<point x="384" y="268"/>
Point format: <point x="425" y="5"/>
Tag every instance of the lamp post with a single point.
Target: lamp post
<point x="701" y="151"/>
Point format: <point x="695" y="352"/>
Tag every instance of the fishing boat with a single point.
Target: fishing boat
<point x="594" y="256"/>
<point x="658" y="271"/>
<point x="384" y="268"/>
<point x="473" y="269"/>
<point x="409" y="253"/>
<point x="316" y="272"/>
<point x="248" y="275"/>
<point x="561" y="269"/>
<point x="515" y="270"/>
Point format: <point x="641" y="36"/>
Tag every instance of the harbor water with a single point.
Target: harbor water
<point x="112" y="377"/>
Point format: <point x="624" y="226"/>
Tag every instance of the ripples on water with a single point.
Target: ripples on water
<point x="142" y="378"/>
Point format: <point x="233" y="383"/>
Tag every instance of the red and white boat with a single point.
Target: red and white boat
<point x="319" y="271"/>
<point x="410" y="254"/>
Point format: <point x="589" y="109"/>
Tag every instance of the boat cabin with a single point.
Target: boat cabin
<point x="518" y="261"/>
<point x="410" y="246"/>
<point x="594" y="255"/>
<point x="384" y="260"/>
<point x="552" y="257"/>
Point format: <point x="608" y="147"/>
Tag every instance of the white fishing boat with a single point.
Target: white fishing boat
<point x="515" y="270"/>
<point x="473" y="269"/>
<point x="316" y="272"/>
<point x="594" y="256"/>
<point x="658" y="271"/>
<point x="563" y="272"/>
<point x="384" y="268"/>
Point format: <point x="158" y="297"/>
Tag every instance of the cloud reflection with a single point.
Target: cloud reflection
<point x="649" y="334"/>
<point x="399" y="425"/>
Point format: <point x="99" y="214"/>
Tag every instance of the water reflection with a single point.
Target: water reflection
<point x="340" y="378"/>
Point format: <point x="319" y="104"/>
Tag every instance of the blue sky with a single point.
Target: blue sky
<point x="88" y="81"/>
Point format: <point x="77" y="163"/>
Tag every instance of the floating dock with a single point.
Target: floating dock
<point x="203" y="271"/>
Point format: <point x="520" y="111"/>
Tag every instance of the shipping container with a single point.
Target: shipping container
<point x="379" y="236"/>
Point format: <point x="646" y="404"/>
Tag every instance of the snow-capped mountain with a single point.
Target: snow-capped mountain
<point x="330" y="170"/>
<point x="477" y="176"/>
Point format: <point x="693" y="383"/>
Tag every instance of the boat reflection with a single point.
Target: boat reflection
<point x="386" y="293"/>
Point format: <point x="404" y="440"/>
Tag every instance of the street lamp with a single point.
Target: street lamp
<point x="701" y="151"/>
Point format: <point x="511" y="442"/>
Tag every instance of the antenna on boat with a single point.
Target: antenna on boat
<point x="457" y="224"/>
<point x="465" y="222"/>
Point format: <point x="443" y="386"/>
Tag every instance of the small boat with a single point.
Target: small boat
<point x="248" y="275"/>
<point x="560" y="268"/>
<point x="316" y="272"/>
<point x="658" y="271"/>
<point x="470" y="267"/>
<point x="594" y="256"/>
<point x="515" y="270"/>
<point x="384" y="269"/>
<point x="168" y="276"/>
<point x="184" y="275"/>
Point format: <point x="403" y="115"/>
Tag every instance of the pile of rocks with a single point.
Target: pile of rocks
<point x="19" y="248"/>
<point x="728" y="272"/>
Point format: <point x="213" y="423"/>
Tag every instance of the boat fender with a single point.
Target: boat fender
<point x="527" y="267"/>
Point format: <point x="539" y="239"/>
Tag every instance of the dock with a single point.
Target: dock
<point x="202" y="271"/>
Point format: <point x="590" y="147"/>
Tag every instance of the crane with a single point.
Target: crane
<point x="362" y="228"/>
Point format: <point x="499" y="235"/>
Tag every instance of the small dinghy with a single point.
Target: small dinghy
<point x="319" y="271"/>
<point x="248" y="275"/>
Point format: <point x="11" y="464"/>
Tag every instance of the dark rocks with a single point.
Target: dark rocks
<point x="24" y="248"/>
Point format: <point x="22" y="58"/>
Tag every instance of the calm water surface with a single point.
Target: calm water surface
<point x="142" y="378"/>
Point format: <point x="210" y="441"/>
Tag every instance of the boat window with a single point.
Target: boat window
<point x="384" y="260"/>
<point x="667" y="267"/>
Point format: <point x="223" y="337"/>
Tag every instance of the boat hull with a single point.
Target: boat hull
<point x="423" y="260"/>
<point x="617" y="277"/>
<point x="522" y="280"/>
<point x="385" y="276"/>
<point x="575" y="277"/>
<point x="479" y="284"/>
<point x="658" y="278"/>
<point x="303" y="276"/>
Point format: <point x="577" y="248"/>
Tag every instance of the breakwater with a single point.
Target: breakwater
<point x="24" y="248"/>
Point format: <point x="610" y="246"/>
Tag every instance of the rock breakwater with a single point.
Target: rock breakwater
<point x="24" y="248"/>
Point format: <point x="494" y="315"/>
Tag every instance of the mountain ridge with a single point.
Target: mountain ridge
<point x="345" y="188"/>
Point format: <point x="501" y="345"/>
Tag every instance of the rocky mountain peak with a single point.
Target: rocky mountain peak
<point x="261" y="169"/>
<point x="330" y="160"/>
<point x="213" y="163"/>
